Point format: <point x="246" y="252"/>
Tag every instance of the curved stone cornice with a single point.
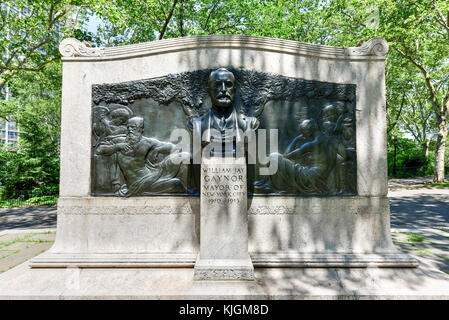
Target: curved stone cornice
<point x="374" y="49"/>
<point x="72" y="47"/>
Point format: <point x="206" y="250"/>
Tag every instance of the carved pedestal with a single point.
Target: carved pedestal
<point x="224" y="221"/>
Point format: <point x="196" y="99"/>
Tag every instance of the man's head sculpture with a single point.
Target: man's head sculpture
<point x="308" y="128"/>
<point x="330" y="115"/>
<point x="135" y="126"/>
<point x="222" y="90"/>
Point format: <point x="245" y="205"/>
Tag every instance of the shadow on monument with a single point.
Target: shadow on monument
<point x="286" y="230"/>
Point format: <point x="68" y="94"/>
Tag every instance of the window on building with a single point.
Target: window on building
<point x="12" y="135"/>
<point x="12" y="126"/>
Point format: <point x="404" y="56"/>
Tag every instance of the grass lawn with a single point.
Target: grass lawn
<point x="438" y="185"/>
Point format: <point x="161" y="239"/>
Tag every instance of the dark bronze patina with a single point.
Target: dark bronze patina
<point x="315" y="121"/>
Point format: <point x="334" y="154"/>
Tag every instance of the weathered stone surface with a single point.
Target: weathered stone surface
<point x="224" y="269"/>
<point x="270" y="283"/>
<point x="355" y="228"/>
<point x="121" y="228"/>
<point x="224" y="221"/>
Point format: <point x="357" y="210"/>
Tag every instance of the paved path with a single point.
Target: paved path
<point x="18" y="247"/>
<point x="420" y="221"/>
<point x="419" y="208"/>
<point x="28" y="218"/>
<point x="416" y="181"/>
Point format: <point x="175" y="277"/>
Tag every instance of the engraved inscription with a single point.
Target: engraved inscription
<point x="223" y="185"/>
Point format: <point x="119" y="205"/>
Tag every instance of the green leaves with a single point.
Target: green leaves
<point x="137" y="21"/>
<point x="35" y="107"/>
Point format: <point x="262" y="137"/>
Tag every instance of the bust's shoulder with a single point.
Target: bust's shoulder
<point x="201" y="119"/>
<point x="251" y="122"/>
<point x="204" y="117"/>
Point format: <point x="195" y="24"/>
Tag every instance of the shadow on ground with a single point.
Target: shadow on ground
<point x="425" y="211"/>
<point x="28" y="218"/>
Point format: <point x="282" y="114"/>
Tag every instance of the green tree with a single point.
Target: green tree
<point x="31" y="31"/>
<point x="30" y="79"/>
<point x="416" y="74"/>
<point x="129" y="21"/>
<point x="418" y="34"/>
<point x="35" y="106"/>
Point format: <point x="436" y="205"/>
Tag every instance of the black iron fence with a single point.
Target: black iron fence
<point x="39" y="201"/>
<point x="35" y="197"/>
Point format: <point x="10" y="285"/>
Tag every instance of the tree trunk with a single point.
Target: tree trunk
<point x="426" y="145"/>
<point x="440" y="148"/>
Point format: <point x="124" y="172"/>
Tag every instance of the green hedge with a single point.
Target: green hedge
<point x="34" y="201"/>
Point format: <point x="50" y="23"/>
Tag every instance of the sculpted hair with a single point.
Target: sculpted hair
<point x="212" y="74"/>
<point x="309" y="124"/>
<point x="137" y="120"/>
<point x="120" y="112"/>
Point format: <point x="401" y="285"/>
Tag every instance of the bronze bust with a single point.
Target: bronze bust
<point x="223" y="116"/>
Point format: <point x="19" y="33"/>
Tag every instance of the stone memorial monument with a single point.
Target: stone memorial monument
<point x="133" y="193"/>
<point x="222" y="157"/>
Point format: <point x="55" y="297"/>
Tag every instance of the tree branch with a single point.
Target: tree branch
<point x="181" y="18"/>
<point x="39" y="68"/>
<point x="167" y="20"/>
<point x="56" y="18"/>
<point x="430" y="86"/>
<point x="162" y="8"/>
<point x="354" y="19"/>
<point x="225" y="27"/>
<point x="50" y="14"/>
<point x="209" y="15"/>
<point x="441" y="21"/>
<point x="398" y="114"/>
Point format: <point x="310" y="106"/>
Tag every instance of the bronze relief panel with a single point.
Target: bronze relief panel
<point x="132" y="122"/>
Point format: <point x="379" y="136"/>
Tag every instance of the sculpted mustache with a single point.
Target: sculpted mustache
<point x="224" y="95"/>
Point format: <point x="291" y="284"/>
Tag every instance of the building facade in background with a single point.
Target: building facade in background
<point x="9" y="133"/>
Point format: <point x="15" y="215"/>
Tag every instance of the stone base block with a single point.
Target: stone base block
<point x="113" y="260"/>
<point x="224" y="269"/>
<point x="423" y="282"/>
<point x="332" y="260"/>
<point x="186" y="260"/>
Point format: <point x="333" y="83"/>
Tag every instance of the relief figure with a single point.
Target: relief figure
<point x="147" y="164"/>
<point x="310" y="163"/>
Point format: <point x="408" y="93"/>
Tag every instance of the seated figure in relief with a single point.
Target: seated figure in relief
<point x="138" y="158"/>
<point x="309" y="160"/>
